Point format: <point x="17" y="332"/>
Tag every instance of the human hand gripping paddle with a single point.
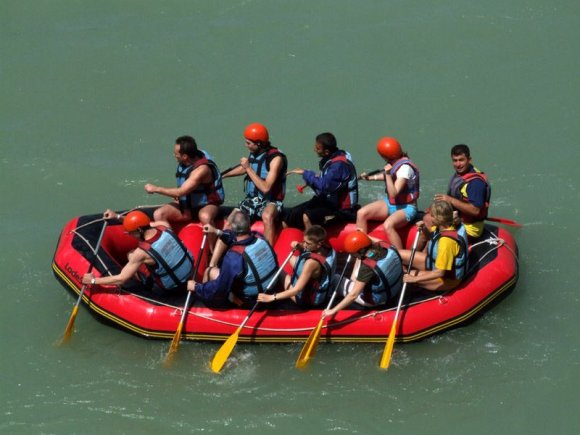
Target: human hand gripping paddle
<point x="177" y="337"/>
<point x="71" y="321"/>
<point x="226" y="349"/>
<point x="300" y="187"/>
<point x="309" y="349"/>
<point x="386" y="358"/>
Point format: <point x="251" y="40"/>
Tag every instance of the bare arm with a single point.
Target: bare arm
<point x="197" y="178"/>
<point x="462" y="206"/>
<point x="311" y="268"/>
<point x="136" y="259"/>
<point x="348" y="299"/>
<point x="264" y="185"/>
<point x="236" y="172"/>
<point x="423" y="276"/>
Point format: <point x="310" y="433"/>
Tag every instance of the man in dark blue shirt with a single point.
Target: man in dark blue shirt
<point x="247" y="267"/>
<point x="335" y="188"/>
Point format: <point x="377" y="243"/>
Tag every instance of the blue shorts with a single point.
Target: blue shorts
<point x="409" y="209"/>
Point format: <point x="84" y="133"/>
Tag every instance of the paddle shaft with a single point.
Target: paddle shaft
<point x="370" y="174"/>
<point x="195" y="269"/>
<point x="230" y="169"/>
<point x="268" y="287"/>
<point x="69" y="327"/>
<point x="301" y="187"/>
<point x="177" y="336"/>
<point x="504" y="221"/>
<point x="227" y="347"/>
<point x="90" y="269"/>
<point x="386" y="358"/>
<point x="310" y="345"/>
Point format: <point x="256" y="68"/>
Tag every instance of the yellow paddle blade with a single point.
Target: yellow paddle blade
<point x="224" y="352"/>
<point x="309" y="348"/>
<point x="70" y="325"/>
<point x="174" y="345"/>
<point x="386" y="358"/>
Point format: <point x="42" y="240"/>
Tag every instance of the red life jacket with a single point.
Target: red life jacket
<point x="408" y="195"/>
<point x="457" y="183"/>
<point x="346" y="197"/>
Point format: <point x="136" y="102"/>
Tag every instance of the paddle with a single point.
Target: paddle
<point x="71" y="321"/>
<point x="370" y="174"/>
<point x="177" y="336"/>
<point x="309" y="348"/>
<point x="300" y="187"/>
<point x="226" y="349"/>
<point x="504" y="221"/>
<point x="386" y="358"/>
<point x="230" y="169"/>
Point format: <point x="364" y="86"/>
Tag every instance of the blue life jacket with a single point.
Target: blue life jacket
<point x="460" y="263"/>
<point x="388" y="280"/>
<point x="173" y="262"/>
<point x="210" y="193"/>
<point x="260" y="266"/>
<point x="346" y="196"/>
<point x="315" y="292"/>
<point x="260" y="163"/>
<point x="409" y="194"/>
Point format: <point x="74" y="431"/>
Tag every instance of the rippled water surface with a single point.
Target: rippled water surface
<point x="92" y="95"/>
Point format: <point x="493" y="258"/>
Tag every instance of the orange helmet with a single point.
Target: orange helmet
<point x="355" y="241"/>
<point x="135" y="220"/>
<point x="389" y="148"/>
<point x="256" y="132"/>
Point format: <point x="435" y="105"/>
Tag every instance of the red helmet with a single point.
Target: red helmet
<point x="389" y="148"/>
<point x="355" y="241"/>
<point x="256" y="132"/>
<point x="135" y="220"/>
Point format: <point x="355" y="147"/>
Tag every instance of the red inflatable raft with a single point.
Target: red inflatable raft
<point x="493" y="271"/>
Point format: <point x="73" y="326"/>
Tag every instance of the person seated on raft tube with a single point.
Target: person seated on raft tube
<point x="469" y="192"/>
<point x="248" y="266"/>
<point x="399" y="206"/>
<point x="313" y="269"/>
<point x="199" y="191"/>
<point x="376" y="277"/>
<point x="443" y="264"/>
<point x="265" y="179"/>
<point x="161" y="262"/>
<point x="335" y="188"/>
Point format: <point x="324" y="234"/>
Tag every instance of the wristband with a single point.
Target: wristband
<point x="275" y="296"/>
<point x="93" y="281"/>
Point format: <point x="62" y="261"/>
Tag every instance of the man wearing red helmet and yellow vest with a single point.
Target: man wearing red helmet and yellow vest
<point x="161" y="261"/>
<point x="469" y="192"/>
<point x="401" y="178"/>
<point x="265" y="179"/>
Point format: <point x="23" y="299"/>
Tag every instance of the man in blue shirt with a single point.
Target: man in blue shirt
<point x="335" y="188"/>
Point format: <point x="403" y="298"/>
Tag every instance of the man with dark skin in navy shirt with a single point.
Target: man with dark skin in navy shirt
<point x="335" y="187"/>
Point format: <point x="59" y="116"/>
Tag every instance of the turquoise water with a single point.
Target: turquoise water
<point x="92" y="96"/>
